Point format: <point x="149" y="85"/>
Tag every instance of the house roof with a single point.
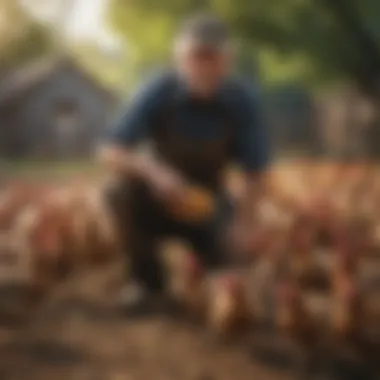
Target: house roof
<point x="24" y="79"/>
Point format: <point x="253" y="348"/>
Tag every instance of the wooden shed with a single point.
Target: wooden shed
<point x="52" y="108"/>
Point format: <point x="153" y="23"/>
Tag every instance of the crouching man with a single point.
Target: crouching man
<point x="197" y="119"/>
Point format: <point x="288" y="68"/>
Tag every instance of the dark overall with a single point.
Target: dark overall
<point x="200" y="162"/>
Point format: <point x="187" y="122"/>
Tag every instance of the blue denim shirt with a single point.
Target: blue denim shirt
<point x="198" y="119"/>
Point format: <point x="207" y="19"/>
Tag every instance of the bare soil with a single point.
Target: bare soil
<point x="78" y="335"/>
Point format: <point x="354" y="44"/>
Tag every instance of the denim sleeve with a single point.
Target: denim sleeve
<point x="133" y="123"/>
<point x="252" y="145"/>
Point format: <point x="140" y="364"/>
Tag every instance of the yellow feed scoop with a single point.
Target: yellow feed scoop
<point x="196" y="205"/>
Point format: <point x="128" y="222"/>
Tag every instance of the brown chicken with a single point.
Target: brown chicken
<point x="102" y="229"/>
<point x="41" y="233"/>
<point x="93" y="235"/>
<point x="187" y="283"/>
<point x="229" y="313"/>
<point x="346" y="264"/>
<point x="13" y="199"/>
<point x="10" y="256"/>
<point x="295" y="319"/>
<point x="304" y="266"/>
<point x="19" y="294"/>
<point x="355" y="311"/>
<point x="218" y="299"/>
<point x="347" y="311"/>
<point x="363" y="237"/>
<point x="348" y="306"/>
<point x="292" y="318"/>
<point x="374" y="239"/>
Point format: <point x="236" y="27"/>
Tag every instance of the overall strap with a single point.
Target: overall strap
<point x="167" y="114"/>
<point x="201" y="160"/>
<point x="167" y="117"/>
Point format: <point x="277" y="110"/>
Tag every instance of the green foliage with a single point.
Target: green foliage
<point x="110" y="70"/>
<point x="21" y="37"/>
<point x="298" y="40"/>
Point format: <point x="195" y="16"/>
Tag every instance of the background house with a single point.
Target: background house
<point x="52" y="108"/>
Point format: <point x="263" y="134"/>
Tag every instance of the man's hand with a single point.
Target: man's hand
<point x="165" y="183"/>
<point x="182" y="199"/>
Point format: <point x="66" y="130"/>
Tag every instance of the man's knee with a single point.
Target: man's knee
<point x="116" y="195"/>
<point x="207" y="246"/>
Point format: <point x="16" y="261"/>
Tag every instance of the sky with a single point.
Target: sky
<point x="87" y="22"/>
<point x="84" y="19"/>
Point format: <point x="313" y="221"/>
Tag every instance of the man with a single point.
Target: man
<point x="197" y="119"/>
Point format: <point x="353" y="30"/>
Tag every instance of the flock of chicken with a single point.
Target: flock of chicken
<point x="49" y="231"/>
<point x="313" y="273"/>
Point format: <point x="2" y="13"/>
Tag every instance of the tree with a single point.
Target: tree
<point x="22" y="38"/>
<point x="304" y="40"/>
<point x="110" y="70"/>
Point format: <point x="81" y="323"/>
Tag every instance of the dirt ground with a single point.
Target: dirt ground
<point x="78" y="335"/>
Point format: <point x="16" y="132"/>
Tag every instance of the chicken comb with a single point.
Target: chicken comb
<point x="193" y="263"/>
<point x="302" y="238"/>
<point x="341" y="238"/>
<point x="347" y="258"/>
<point x="287" y="291"/>
<point x="46" y="237"/>
<point x="342" y="245"/>
<point x="348" y="289"/>
<point x="231" y="281"/>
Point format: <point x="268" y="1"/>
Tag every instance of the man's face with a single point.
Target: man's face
<point x="203" y="69"/>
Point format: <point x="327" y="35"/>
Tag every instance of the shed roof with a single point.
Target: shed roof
<point x="24" y="79"/>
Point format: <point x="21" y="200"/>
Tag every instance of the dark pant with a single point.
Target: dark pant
<point x="147" y="223"/>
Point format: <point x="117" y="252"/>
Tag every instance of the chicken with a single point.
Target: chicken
<point x="295" y="320"/>
<point x="371" y="313"/>
<point x="365" y="231"/>
<point x="13" y="199"/>
<point x="40" y="233"/>
<point x="374" y="239"/>
<point x="324" y="213"/>
<point x="304" y="265"/>
<point x="104" y="231"/>
<point x="218" y="299"/>
<point x="346" y="264"/>
<point x="368" y="284"/>
<point x="292" y="318"/>
<point x="263" y="274"/>
<point x="346" y="313"/>
<point x="93" y="235"/>
<point x="71" y="200"/>
<point x="228" y="308"/>
<point x="20" y="294"/>
<point x="186" y="279"/>
<point x="354" y="311"/>
<point x="355" y="324"/>
<point x="9" y="260"/>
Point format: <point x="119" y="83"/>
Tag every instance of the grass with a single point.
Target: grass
<point x="45" y="169"/>
<point x="48" y="169"/>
